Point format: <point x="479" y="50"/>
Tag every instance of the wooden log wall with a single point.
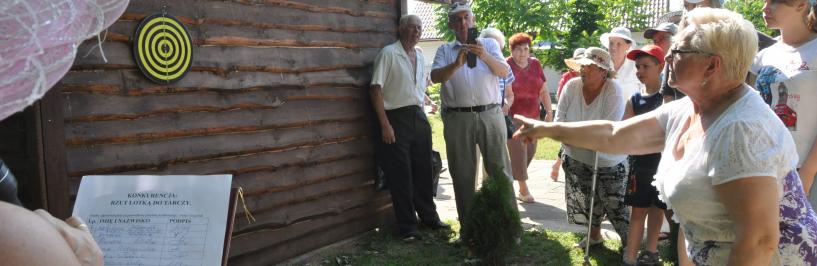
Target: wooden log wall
<point x="277" y="96"/>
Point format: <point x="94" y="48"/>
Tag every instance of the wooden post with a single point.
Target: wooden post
<point x="54" y="161"/>
<point x="35" y="190"/>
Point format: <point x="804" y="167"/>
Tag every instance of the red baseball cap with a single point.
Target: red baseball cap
<point x="649" y="49"/>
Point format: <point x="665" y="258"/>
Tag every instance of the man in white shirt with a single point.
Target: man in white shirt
<point x="471" y="105"/>
<point x="398" y="92"/>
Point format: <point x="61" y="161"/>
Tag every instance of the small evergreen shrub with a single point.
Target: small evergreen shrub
<point x="492" y="226"/>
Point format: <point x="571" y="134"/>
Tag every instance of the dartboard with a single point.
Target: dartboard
<point x="162" y="49"/>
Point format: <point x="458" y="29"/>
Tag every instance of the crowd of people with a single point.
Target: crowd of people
<point x="709" y="127"/>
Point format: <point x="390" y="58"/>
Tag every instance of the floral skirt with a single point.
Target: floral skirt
<point x="798" y="232"/>
<point x="609" y="197"/>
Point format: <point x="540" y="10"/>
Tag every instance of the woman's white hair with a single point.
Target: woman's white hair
<point x="494" y="34"/>
<point x="724" y="33"/>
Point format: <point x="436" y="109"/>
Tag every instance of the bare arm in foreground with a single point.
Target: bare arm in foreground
<point x="753" y="206"/>
<point x="37" y="238"/>
<point x="638" y="135"/>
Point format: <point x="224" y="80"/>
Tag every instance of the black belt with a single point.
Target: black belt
<point x="408" y="108"/>
<point x="478" y="108"/>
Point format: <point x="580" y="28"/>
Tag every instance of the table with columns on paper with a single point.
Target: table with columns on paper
<point x="161" y="240"/>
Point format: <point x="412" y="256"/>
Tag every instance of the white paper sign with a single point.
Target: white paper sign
<point x="156" y="220"/>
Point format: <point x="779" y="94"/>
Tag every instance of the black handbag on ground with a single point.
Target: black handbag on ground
<point x="380" y="179"/>
<point x="509" y="126"/>
<point x="436" y="170"/>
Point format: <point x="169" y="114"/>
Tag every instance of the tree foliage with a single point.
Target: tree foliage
<point x="752" y="11"/>
<point x="563" y="24"/>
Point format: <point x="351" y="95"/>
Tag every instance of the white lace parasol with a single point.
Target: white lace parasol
<point x="38" y="43"/>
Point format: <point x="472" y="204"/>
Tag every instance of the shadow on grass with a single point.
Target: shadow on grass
<point x="386" y="248"/>
<point x="557" y="248"/>
<point x="540" y="211"/>
<point x="541" y="248"/>
<point x="537" y="247"/>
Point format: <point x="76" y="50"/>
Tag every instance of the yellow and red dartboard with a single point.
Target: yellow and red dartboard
<point x="162" y="48"/>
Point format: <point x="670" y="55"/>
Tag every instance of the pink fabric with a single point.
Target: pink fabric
<point x="38" y="41"/>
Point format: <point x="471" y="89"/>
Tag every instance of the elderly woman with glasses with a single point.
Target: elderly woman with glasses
<point x="593" y="96"/>
<point x="729" y="165"/>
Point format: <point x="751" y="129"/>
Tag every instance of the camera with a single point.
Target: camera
<point x="472" y="39"/>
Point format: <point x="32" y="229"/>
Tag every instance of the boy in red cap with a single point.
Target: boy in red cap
<point x="641" y="194"/>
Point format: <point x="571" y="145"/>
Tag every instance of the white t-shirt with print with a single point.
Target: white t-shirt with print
<point x="747" y="140"/>
<point x="787" y="83"/>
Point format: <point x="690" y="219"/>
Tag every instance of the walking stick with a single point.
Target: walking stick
<point x="590" y="222"/>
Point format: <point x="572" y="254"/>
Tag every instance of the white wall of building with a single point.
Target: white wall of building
<point x="429" y="50"/>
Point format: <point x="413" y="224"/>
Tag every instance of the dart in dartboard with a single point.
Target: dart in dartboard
<point x="162" y="48"/>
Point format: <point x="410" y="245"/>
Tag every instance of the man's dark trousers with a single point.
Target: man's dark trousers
<point x="407" y="165"/>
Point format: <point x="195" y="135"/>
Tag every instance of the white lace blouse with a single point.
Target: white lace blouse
<point x="747" y="140"/>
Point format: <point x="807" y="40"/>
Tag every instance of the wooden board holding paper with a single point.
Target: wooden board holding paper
<point x="157" y="220"/>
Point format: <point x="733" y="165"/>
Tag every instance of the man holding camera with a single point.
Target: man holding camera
<point x="471" y="110"/>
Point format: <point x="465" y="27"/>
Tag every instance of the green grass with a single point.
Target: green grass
<point x="547" y="149"/>
<point x="538" y="247"/>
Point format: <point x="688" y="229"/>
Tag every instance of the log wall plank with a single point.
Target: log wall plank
<point x="255" y="249"/>
<point x="195" y="100"/>
<point x="192" y="12"/>
<point x="160" y="154"/>
<point x="219" y="33"/>
<point x="131" y="82"/>
<point x="215" y="58"/>
<point x="209" y="119"/>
